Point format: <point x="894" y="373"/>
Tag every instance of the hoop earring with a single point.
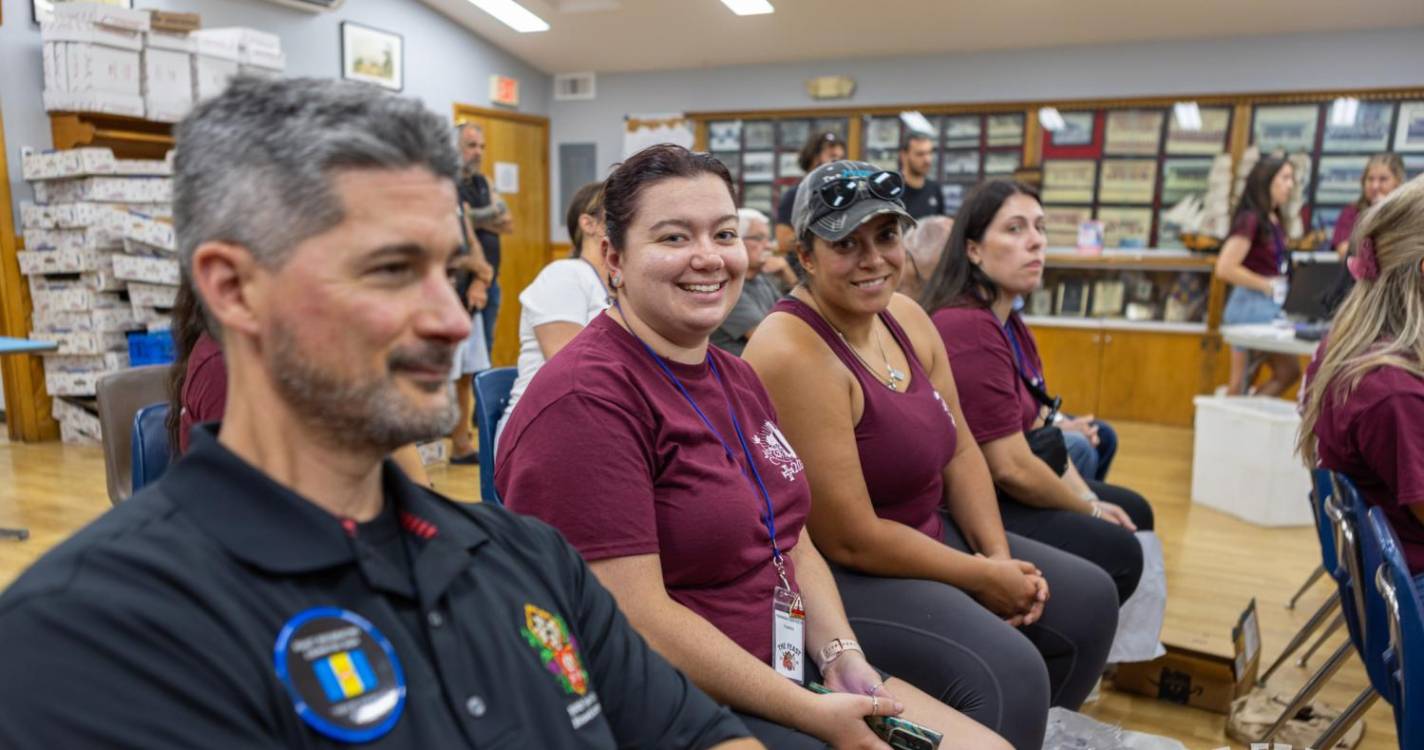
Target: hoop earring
<point x="616" y="280"/>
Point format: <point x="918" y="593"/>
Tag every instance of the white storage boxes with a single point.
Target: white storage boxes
<point x="92" y="59"/>
<point x="1245" y="462"/>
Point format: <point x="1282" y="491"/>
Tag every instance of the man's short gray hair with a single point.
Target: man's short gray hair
<point x="745" y="217"/>
<point x="254" y="166"/>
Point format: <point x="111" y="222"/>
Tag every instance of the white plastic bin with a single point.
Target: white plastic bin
<point x="1244" y="461"/>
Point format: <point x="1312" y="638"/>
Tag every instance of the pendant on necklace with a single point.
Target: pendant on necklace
<point x="896" y="377"/>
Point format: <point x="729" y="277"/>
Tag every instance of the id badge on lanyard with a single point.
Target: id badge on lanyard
<point x="788" y="632"/>
<point x="1282" y="286"/>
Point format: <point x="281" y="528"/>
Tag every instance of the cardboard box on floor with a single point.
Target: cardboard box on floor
<point x="1198" y="677"/>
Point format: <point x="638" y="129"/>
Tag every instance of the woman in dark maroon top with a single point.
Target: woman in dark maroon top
<point x="903" y="506"/>
<point x="680" y="489"/>
<point x="1364" y="395"/>
<point x="1384" y="173"/>
<point x="1255" y="262"/>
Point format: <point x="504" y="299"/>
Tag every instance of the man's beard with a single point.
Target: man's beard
<point x="363" y="414"/>
<point x="470" y="168"/>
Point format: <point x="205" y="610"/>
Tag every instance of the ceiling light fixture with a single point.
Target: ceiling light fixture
<point x="1343" y="111"/>
<point x="513" y="15"/>
<point x="749" y="7"/>
<point x="1051" y="119"/>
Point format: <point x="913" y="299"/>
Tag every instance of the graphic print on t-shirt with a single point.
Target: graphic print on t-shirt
<point x="777" y="450"/>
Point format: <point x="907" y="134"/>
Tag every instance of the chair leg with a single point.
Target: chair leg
<point x="1331" y="629"/>
<point x="1344" y="721"/>
<point x="1304" y="587"/>
<point x="1310" y="688"/>
<point x="1326" y="609"/>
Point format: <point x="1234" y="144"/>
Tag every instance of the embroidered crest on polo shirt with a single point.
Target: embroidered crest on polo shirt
<point x="776" y="449"/>
<point x="548" y="634"/>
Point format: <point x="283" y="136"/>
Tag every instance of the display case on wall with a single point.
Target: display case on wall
<point x="762" y="154"/>
<point x="969" y="148"/>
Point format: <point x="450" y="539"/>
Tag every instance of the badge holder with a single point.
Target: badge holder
<point x="788" y="632"/>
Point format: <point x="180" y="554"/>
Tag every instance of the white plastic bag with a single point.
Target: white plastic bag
<point x="1068" y="730"/>
<point x="1139" y="622"/>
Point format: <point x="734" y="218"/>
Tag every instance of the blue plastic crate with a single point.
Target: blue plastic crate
<point x="150" y="348"/>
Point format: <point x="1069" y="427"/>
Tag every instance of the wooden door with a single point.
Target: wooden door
<point x="522" y="140"/>
<point x="1070" y="365"/>
<point x="1150" y="376"/>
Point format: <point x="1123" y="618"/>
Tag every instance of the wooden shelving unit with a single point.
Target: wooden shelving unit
<point x="128" y="137"/>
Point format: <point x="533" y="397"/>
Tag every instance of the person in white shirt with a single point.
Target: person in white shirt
<point x="565" y="296"/>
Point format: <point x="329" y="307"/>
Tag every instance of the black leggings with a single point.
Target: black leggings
<point x="942" y="641"/>
<point x="1109" y="546"/>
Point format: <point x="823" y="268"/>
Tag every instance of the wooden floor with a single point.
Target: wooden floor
<point x="1215" y="564"/>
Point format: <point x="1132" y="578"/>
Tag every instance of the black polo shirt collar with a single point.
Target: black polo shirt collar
<point x="266" y="524"/>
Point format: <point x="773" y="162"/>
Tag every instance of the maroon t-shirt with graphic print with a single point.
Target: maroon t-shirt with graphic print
<point x="605" y="448"/>
<point x="1264" y="255"/>
<point x="996" y="403"/>
<point x="1376" y="438"/>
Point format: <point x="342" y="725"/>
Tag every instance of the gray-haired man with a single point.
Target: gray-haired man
<point x="283" y="585"/>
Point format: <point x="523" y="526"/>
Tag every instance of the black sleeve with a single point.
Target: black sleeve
<point x="788" y="202"/>
<point x="648" y="703"/>
<point x="84" y="674"/>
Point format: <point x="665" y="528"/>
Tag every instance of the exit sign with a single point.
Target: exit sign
<point x="504" y="90"/>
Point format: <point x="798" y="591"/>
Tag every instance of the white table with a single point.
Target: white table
<point x="1268" y="337"/>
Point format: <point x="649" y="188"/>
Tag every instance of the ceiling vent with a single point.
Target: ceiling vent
<point x="569" y="87"/>
<point x="310" y="6"/>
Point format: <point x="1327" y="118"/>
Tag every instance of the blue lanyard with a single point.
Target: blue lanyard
<point x="770" y="518"/>
<point x="1282" y="257"/>
<point x="1019" y="355"/>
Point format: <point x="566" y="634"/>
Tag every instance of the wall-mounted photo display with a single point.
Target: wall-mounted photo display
<point x="961" y="163"/>
<point x="792" y="134"/>
<point x="838" y="125"/>
<point x="1077" y="130"/>
<point x="883" y="133"/>
<point x="1368" y="132"/>
<point x="1289" y="128"/>
<point x="1413" y="167"/>
<point x="1006" y="130"/>
<point x="725" y="135"/>
<point x="758" y="197"/>
<point x="788" y="164"/>
<point x="1133" y="132"/>
<point x="1069" y="181"/>
<point x="733" y="162"/>
<point x="760" y="135"/>
<point x="758" y="166"/>
<point x="1002" y="162"/>
<point x="1125" y="228"/>
<point x="1184" y="177"/>
<point x="1061" y="224"/>
<point x="961" y="132"/>
<point x="372" y="56"/>
<point x="1127" y="181"/>
<point x="1409" y="134"/>
<point x="952" y="195"/>
<point x="1339" y="179"/>
<point x="1208" y="140"/>
<point x="1169" y="233"/>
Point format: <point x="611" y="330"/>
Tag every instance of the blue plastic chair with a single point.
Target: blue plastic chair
<point x="150" y="450"/>
<point x="1321" y="489"/>
<point x="492" y="389"/>
<point x="1404" y="659"/>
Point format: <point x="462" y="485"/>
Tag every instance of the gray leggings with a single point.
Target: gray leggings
<point x="939" y="639"/>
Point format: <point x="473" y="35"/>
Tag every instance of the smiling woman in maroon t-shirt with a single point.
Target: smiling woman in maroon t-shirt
<point x="1364" y="395"/>
<point x="661" y="461"/>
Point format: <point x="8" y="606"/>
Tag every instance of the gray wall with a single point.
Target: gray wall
<point x="444" y="63"/>
<point x="1367" y="59"/>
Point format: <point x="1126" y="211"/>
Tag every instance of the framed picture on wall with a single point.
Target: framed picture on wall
<point x="1127" y="181"/>
<point x="1069" y="180"/>
<point x="1207" y="140"/>
<point x="1286" y="128"/>
<point x="1368" y="131"/>
<point x="725" y="135"/>
<point x="372" y="56"/>
<point x="961" y="132"/>
<point x="1077" y="130"/>
<point x="1006" y="130"/>
<point x="1409" y="135"/>
<point x="1134" y="132"/>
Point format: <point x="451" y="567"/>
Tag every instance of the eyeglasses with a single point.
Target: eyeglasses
<point x="842" y="192"/>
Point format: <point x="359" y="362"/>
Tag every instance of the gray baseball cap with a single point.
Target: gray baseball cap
<point x="833" y="224"/>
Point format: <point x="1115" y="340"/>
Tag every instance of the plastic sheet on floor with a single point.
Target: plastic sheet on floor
<point x="1069" y="730"/>
<point x="1139" y="622"/>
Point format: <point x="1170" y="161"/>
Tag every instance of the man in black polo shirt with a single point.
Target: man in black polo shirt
<point x="282" y="585"/>
<point x="923" y="196"/>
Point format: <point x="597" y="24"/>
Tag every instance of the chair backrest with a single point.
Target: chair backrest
<point x="1371" y="634"/>
<point x="492" y="389"/>
<point x="150" y="444"/>
<point x="121" y="395"/>
<point x="1322" y="487"/>
<point x="1404" y="659"/>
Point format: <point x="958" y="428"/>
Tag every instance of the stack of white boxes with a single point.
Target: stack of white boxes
<point x="95" y="235"/>
<point x="92" y="59"/>
<point x="168" y="68"/>
<point x="223" y="53"/>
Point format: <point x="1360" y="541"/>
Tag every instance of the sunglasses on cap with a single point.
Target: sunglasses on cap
<point x="840" y="193"/>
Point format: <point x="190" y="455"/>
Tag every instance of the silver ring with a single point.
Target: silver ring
<point x="874" y="705"/>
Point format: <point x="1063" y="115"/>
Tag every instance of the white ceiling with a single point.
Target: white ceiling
<point x="633" y="35"/>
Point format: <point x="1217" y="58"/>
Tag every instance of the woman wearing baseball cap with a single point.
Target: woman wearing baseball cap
<point x="903" y="505"/>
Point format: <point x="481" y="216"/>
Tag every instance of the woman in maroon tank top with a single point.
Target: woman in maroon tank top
<point x="903" y="506"/>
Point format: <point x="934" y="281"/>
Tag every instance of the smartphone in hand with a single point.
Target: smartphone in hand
<point x="900" y="734"/>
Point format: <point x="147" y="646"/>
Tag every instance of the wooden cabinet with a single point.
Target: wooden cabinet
<point x="1128" y="375"/>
